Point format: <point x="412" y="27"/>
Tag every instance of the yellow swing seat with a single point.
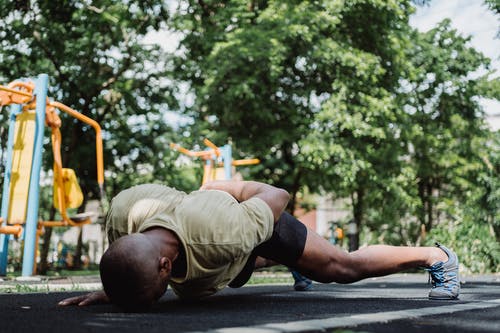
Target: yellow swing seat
<point x="67" y="194"/>
<point x="73" y="196"/>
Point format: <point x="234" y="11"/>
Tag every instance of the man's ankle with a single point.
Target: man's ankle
<point x="436" y="255"/>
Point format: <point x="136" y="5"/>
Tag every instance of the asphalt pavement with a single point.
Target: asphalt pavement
<point x="391" y="304"/>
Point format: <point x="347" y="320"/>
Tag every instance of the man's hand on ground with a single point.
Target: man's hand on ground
<point x="97" y="297"/>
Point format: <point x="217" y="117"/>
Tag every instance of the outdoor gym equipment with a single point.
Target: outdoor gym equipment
<point x="31" y="111"/>
<point x="219" y="162"/>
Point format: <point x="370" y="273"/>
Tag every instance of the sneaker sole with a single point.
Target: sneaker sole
<point x="443" y="298"/>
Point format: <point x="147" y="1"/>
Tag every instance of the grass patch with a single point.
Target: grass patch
<point x="43" y="287"/>
<point x="68" y="272"/>
<point x="94" y="270"/>
<point x="271" y="277"/>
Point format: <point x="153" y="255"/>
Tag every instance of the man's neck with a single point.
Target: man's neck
<point x="171" y="247"/>
<point x="179" y="265"/>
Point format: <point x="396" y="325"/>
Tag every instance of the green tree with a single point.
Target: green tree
<point x="494" y="5"/>
<point x="98" y="65"/>
<point x="261" y="72"/>
<point x="440" y="97"/>
<point x="473" y="225"/>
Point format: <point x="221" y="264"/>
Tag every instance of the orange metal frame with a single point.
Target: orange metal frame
<point x="211" y="156"/>
<point x="22" y="93"/>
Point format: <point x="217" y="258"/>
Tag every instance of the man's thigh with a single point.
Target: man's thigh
<point x="287" y="243"/>
<point x="298" y="247"/>
<point x="321" y="260"/>
<point x="285" y="247"/>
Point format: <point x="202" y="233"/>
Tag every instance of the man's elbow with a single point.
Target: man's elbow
<point x="283" y="196"/>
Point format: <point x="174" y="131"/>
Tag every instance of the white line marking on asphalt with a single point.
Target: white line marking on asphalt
<point x="354" y="320"/>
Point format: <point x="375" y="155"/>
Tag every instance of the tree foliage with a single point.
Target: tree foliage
<point x="98" y="65"/>
<point x="260" y="70"/>
<point x="444" y="120"/>
<point x="342" y="97"/>
<point x="336" y="97"/>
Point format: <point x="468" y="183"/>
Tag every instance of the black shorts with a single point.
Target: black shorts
<point x="285" y="246"/>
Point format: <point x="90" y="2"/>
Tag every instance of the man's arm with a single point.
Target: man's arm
<point x="274" y="197"/>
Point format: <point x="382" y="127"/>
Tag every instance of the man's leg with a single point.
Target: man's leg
<point x="303" y="250"/>
<point x="324" y="262"/>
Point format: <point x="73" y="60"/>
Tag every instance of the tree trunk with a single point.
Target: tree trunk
<point x="3" y="146"/>
<point x="425" y="215"/>
<point x="45" y="250"/>
<point x="77" y="260"/>
<point x="295" y="186"/>
<point x="355" y="227"/>
<point x="292" y="203"/>
<point x="421" y="195"/>
<point x="430" y="206"/>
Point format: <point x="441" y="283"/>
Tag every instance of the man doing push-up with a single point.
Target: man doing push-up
<point x="201" y="242"/>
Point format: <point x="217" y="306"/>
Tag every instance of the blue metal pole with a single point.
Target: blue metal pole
<point x="41" y="85"/>
<point x="4" y="238"/>
<point x="228" y="161"/>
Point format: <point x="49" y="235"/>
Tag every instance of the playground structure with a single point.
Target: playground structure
<point x="30" y="112"/>
<point x="336" y="233"/>
<point x="218" y="161"/>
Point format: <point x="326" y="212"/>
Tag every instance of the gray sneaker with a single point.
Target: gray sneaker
<point x="445" y="278"/>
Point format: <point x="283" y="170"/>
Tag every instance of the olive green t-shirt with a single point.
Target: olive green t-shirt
<point x="218" y="232"/>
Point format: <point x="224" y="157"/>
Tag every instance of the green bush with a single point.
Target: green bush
<point x="474" y="243"/>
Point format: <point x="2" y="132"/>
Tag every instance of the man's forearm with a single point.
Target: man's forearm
<point x="276" y="198"/>
<point x="240" y="190"/>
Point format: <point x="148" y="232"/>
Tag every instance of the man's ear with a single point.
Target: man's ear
<point x="165" y="265"/>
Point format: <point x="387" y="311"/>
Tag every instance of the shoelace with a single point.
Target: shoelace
<point x="437" y="273"/>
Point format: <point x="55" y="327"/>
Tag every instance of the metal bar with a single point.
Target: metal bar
<point x="30" y="235"/>
<point x="98" y="135"/>
<point x="15" y="91"/>
<point x="210" y="144"/>
<point x="203" y="154"/>
<point x="246" y="162"/>
<point x="9" y="95"/>
<point x="228" y="161"/>
<point x="4" y="239"/>
<point x="15" y="230"/>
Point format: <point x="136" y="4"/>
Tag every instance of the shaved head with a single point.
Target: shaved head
<point x="130" y="272"/>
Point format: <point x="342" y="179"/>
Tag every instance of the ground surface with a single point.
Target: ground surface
<point x="393" y="304"/>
